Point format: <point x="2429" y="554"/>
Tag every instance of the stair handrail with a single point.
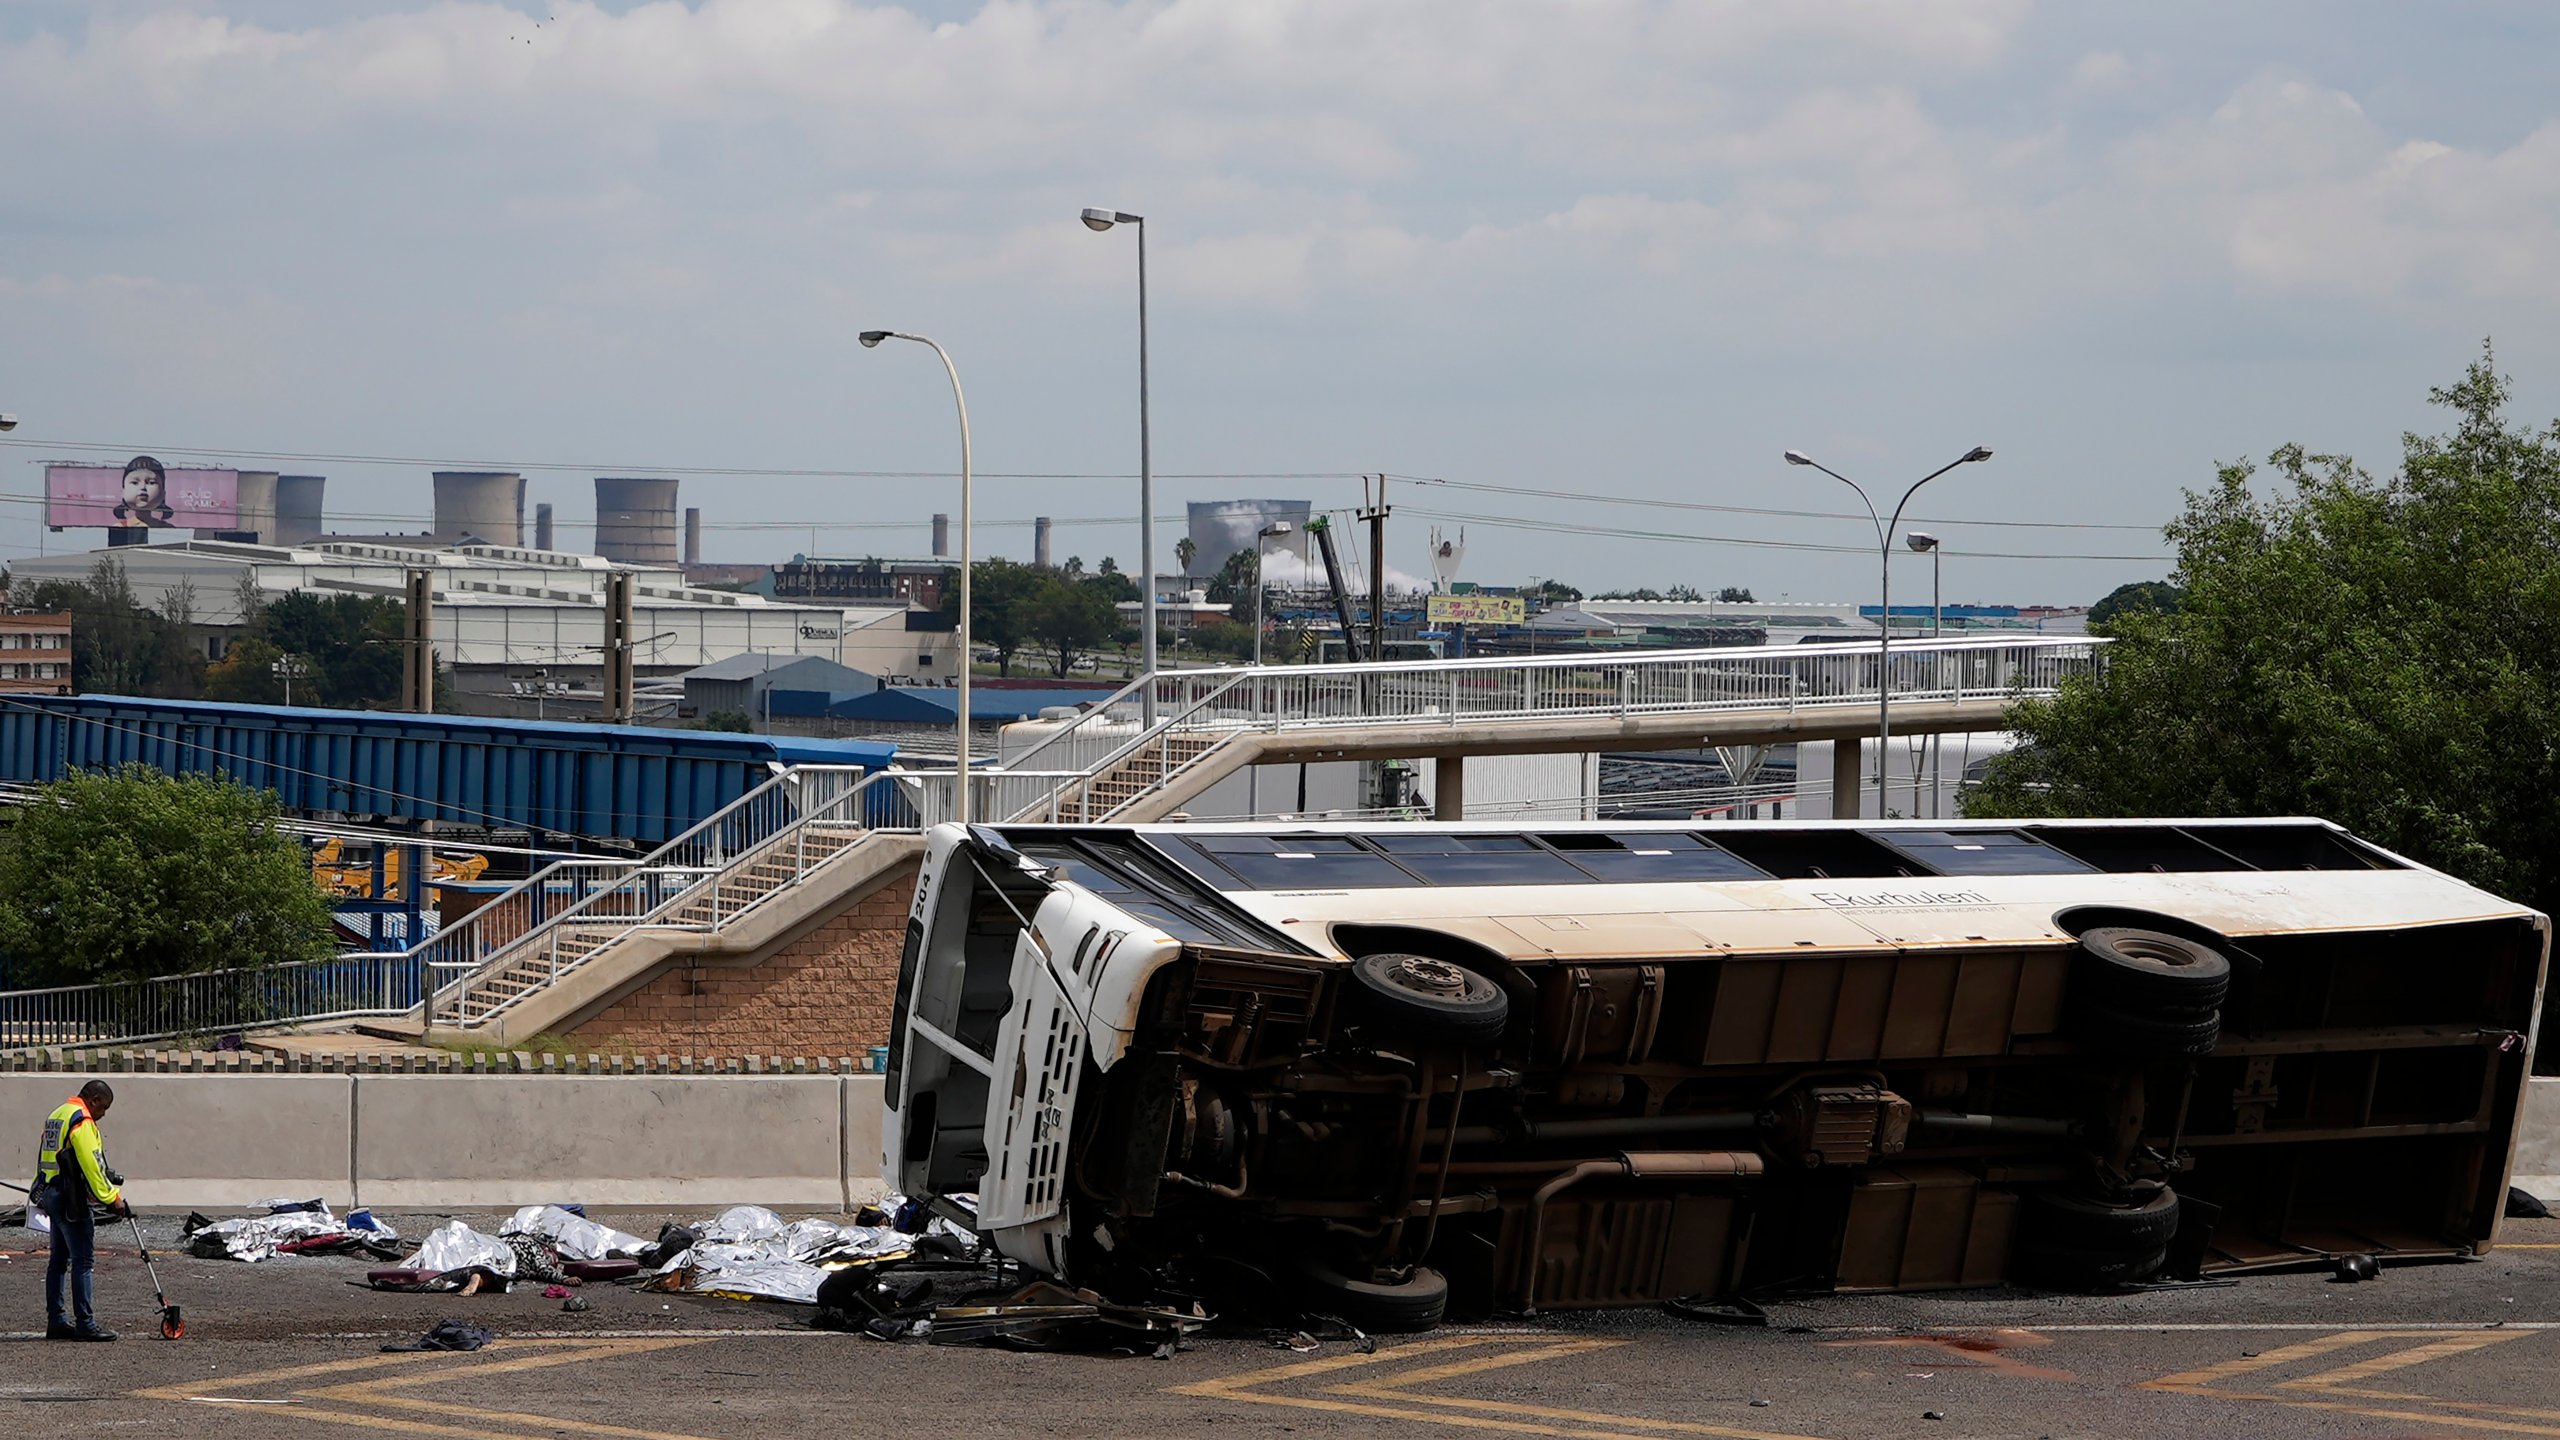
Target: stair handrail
<point x="851" y="800"/>
<point x="791" y="779"/>
<point x="1164" y="725"/>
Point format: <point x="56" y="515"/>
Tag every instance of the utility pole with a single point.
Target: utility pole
<point x="418" y="646"/>
<point x="618" y="679"/>
<point x="1376" y="514"/>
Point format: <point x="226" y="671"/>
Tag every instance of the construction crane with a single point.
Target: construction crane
<point x="1323" y="532"/>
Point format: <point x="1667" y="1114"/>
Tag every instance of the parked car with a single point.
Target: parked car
<point x="1378" y="1070"/>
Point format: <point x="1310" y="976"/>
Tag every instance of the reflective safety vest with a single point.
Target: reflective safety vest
<point x="71" y="1135"/>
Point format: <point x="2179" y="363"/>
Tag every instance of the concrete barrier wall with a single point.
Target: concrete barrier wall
<point x="2538" y="1139"/>
<point x="480" y="1142"/>
<point x="431" y="1141"/>
<point x="188" y="1141"/>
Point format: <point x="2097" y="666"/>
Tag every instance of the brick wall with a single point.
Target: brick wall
<point x="826" y="993"/>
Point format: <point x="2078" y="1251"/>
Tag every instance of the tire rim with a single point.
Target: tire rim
<point x="2152" y="952"/>
<point x="1431" y="977"/>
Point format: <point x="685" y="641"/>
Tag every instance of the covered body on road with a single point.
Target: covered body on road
<point x="1375" y="1066"/>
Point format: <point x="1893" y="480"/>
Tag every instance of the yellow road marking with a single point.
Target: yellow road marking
<point x="377" y="1392"/>
<point x="1507" y="1417"/>
<point x="2196" y="1380"/>
<point x="2338" y="1382"/>
<point x="2400" y="1360"/>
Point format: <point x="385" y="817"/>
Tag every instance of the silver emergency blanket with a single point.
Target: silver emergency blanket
<point x="457" y="1246"/>
<point x="785" y="1261"/>
<point x="576" y="1237"/>
<point x="253" y="1238"/>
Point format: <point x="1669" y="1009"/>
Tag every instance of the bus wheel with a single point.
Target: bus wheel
<point x="1432" y="997"/>
<point x="2081" y="1242"/>
<point x="2140" y="970"/>
<point x="1415" y="1303"/>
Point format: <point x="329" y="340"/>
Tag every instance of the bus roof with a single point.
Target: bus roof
<point x="1629" y="889"/>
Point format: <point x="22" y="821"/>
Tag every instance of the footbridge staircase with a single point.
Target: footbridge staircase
<point x="570" y="938"/>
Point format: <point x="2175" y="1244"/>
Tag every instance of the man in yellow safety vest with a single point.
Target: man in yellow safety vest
<point x="71" y="1173"/>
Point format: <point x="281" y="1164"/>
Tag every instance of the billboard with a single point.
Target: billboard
<point x="141" y="494"/>
<point x="1476" y="610"/>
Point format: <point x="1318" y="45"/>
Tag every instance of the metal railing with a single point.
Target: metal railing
<point x="343" y="987"/>
<point x="751" y="850"/>
<point x="1214" y="703"/>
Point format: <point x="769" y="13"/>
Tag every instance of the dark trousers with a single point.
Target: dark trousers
<point x="75" y="1243"/>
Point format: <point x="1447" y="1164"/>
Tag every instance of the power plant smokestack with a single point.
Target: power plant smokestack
<point x="485" y="504"/>
<point x="257" y="511"/>
<point x="1040" y="540"/>
<point x="941" y="536"/>
<point x="542" y="527"/>
<point x="298" y="517"/>
<point x="693" y="535"/>
<point x="636" y="521"/>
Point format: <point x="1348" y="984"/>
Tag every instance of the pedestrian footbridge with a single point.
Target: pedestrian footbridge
<point x="573" y="937"/>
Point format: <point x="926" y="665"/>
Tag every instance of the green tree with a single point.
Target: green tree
<point x="133" y="874"/>
<point x="2141" y="595"/>
<point x="1223" y="637"/>
<point x="2383" y="653"/>
<point x="351" y="642"/>
<point x="1067" y="619"/>
<point x="1001" y="594"/>
<point x="1186" y="550"/>
<point x="1734" y="595"/>
<point x="1234" y="586"/>
<point x="1115" y="587"/>
<point x="245" y="675"/>
<point x="734" y="721"/>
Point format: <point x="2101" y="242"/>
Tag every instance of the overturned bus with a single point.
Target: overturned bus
<point x="1378" y="1070"/>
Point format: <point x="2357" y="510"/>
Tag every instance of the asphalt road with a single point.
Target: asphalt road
<point x="291" y="1348"/>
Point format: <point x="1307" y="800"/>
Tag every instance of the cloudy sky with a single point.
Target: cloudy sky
<point x="1580" y="253"/>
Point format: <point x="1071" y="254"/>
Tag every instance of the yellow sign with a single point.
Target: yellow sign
<point x="1475" y="610"/>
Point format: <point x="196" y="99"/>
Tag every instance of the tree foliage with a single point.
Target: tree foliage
<point x="2383" y="653"/>
<point x="134" y="874"/>
<point x="1000" y="595"/>
<point x="2141" y="595"/>
<point x="120" y="646"/>
<point x="1068" y="618"/>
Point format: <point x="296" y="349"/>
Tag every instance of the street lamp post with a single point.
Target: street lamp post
<point x="1925" y="543"/>
<point x="1884" y="593"/>
<point x="1097" y="219"/>
<point x="1272" y="531"/>
<point x="871" y="340"/>
<point x="1277" y="528"/>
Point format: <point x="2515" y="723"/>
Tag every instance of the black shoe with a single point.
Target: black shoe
<point x="56" y="1330"/>
<point x="93" y="1332"/>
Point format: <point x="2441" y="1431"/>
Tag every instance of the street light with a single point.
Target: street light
<point x="289" y="669"/>
<point x="1272" y="531"/>
<point x="871" y="341"/>
<point x="1925" y="543"/>
<point x="1098" y="220"/>
<point x="1922" y="542"/>
<point x="1884" y="592"/>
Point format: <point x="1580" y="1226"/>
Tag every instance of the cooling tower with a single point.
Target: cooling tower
<point x="693" y="535"/>
<point x="257" y="522"/>
<point x="636" y="521"/>
<point x="299" y="520"/>
<point x="1220" y="528"/>
<point x="542" y="527"/>
<point x="941" y="536"/>
<point x="1040" y="540"/>
<point x="485" y="504"/>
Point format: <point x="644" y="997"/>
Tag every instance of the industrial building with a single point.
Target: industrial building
<point x="505" y="614"/>
<point x="35" y="652"/>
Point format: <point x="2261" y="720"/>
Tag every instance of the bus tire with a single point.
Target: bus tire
<point x="2122" y="968"/>
<point x="1434" y="998"/>
<point x="2143" y="1221"/>
<point x="1380" y="1307"/>
<point x="2146" y="1034"/>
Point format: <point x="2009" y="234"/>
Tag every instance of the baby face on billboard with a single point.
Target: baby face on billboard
<point x="146" y="493"/>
